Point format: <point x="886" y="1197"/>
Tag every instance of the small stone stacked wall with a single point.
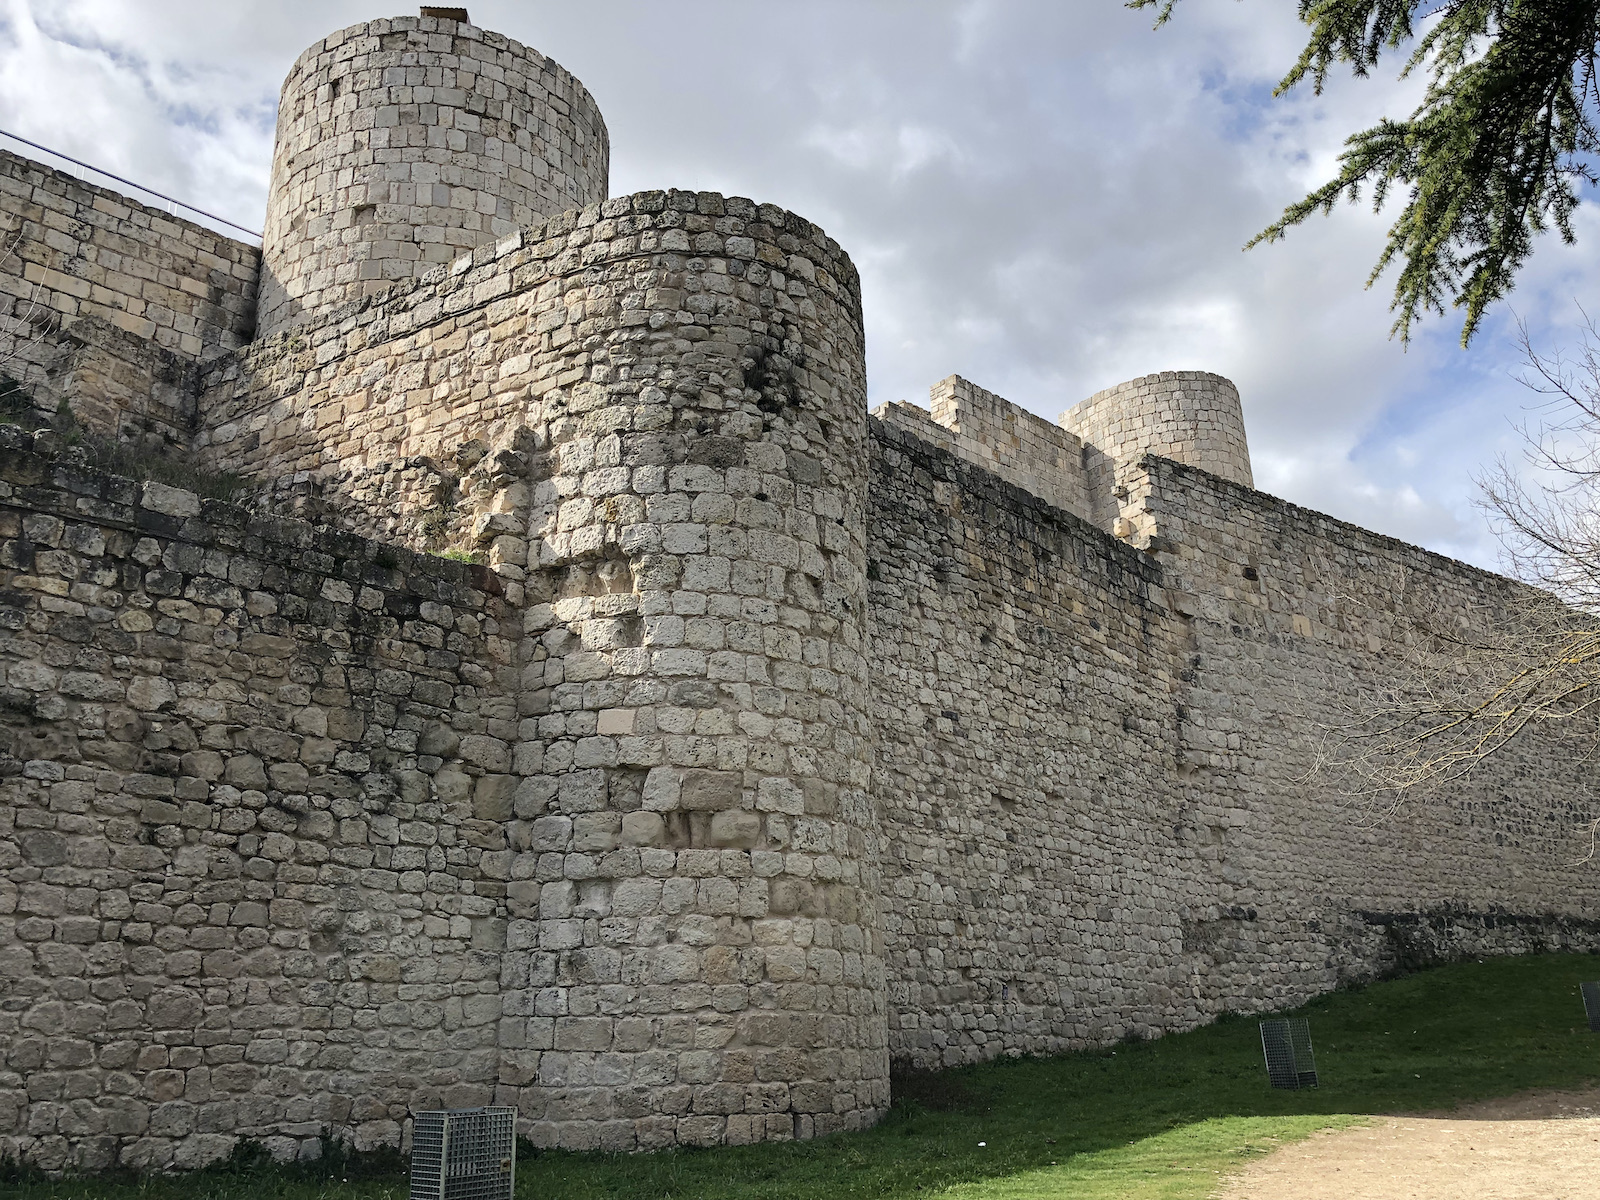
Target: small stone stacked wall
<point x="1293" y="619"/>
<point x="403" y="142"/>
<point x="255" y="826"/>
<point x="1023" y="694"/>
<point x="1192" y="417"/>
<point x="991" y="432"/>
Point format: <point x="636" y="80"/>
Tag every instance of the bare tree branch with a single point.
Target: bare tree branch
<point x="1469" y="680"/>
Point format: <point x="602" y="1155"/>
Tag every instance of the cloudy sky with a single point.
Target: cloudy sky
<point x="1042" y="195"/>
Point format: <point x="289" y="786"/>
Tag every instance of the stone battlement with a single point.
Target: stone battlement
<point x="763" y="742"/>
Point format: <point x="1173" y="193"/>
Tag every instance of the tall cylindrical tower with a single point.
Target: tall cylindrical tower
<point x="707" y="962"/>
<point x="401" y="143"/>
<point x="1191" y="416"/>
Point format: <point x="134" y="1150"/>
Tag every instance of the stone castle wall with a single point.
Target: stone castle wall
<point x="110" y="305"/>
<point x="670" y="382"/>
<point x="767" y="743"/>
<point x="1023" y="695"/>
<point x="1092" y="766"/>
<point x="1005" y="438"/>
<point x="399" y="415"/>
<point x="700" y="960"/>
<point x="405" y="141"/>
<point x="256" y="836"/>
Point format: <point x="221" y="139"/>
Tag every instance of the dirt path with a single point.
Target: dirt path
<point x="1537" y="1146"/>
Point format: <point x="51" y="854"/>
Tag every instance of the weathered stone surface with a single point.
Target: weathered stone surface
<point x="1093" y="765"/>
<point x="417" y="138"/>
<point x="109" y="306"/>
<point x="765" y="741"/>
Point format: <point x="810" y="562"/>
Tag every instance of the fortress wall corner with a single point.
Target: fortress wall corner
<point x="404" y="142"/>
<point x="697" y="670"/>
<point x="670" y="391"/>
<point x="1193" y="417"/>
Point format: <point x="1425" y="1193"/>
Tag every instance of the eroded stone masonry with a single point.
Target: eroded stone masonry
<point x="761" y="743"/>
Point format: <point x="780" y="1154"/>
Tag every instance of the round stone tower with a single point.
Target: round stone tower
<point x="1191" y="416"/>
<point x="707" y="961"/>
<point x="403" y="142"/>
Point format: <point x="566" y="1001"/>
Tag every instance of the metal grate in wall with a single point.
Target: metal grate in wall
<point x="1591" y="1004"/>
<point x="1286" y="1043"/>
<point x="464" y="1154"/>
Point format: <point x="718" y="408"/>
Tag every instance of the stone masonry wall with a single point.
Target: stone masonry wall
<point x="1091" y="767"/>
<point x="121" y="386"/>
<point x="1288" y="613"/>
<point x="1023" y="694"/>
<point x="767" y="741"/>
<point x="1001" y="437"/>
<point x="255" y="875"/>
<point x="91" y="263"/>
<point x="670" y="388"/>
<point x="405" y="141"/>
<point x="397" y="419"/>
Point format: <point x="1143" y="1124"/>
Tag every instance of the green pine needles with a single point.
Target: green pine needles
<point x="1493" y="156"/>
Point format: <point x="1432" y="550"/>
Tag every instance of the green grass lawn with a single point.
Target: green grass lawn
<point x="1162" y="1119"/>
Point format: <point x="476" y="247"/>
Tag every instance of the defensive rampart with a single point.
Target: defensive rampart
<point x="1093" y="765"/>
<point x="762" y="741"/>
<point x="256" y="866"/>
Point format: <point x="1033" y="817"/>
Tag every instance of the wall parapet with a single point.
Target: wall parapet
<point x="83" y="257"/>
<point x="1191" y="416"/>
<point x="1002" y="437"/>
<point x="84" y="250"/>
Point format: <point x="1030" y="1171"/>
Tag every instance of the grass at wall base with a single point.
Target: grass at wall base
<point x="1158" y="1120"/>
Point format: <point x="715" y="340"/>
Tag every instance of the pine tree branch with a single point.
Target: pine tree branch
<point x="1492" y="157"/>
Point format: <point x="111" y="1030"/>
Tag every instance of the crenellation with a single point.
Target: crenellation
<point x="762" y="742"/>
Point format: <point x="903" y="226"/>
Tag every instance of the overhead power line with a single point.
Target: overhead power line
<point x="78" y="162"/>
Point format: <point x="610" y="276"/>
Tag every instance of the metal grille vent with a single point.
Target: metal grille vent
<point x="464" y="1154"/>
<point x="1591" y="1004"/>
<point x="1286" y="1043"/>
